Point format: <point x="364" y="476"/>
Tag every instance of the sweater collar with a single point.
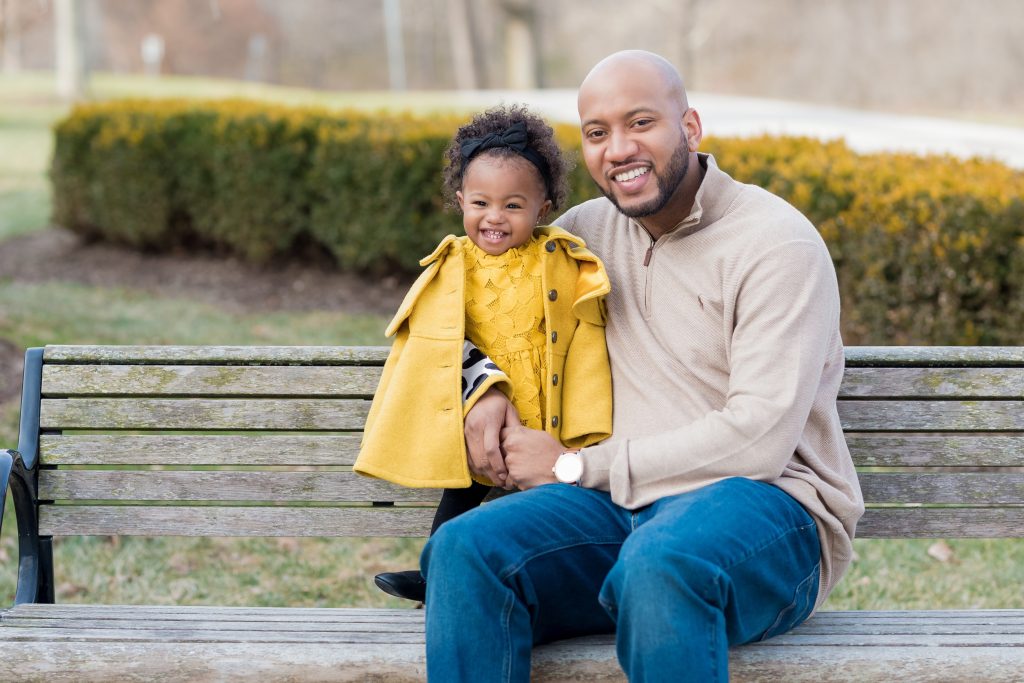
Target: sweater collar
<point x="716" y="192"/>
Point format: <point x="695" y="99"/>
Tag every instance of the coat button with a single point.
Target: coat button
<point x="550" y="246"/>
<point x="554" y="379"/>
<point x="554" y="420"/>
<point x="553" y="294"/>
<point x="554" y="336"/>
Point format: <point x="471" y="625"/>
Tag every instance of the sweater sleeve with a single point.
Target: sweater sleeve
<point x="785" y="312"/>
<point x="480" y="373"/>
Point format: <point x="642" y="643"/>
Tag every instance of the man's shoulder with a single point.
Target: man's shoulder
<point x="773" y="217"/>
<point x="590" y="215"/>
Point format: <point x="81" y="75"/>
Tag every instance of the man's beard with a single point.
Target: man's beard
<point x="668" y="183"/>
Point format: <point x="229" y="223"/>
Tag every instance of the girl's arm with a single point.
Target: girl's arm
<point x="486" y="410"/>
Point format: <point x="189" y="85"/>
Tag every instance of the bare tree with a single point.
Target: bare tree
<point x="10" y="35"/>
<point x="395" y="43"/>
<point x="522" y="58"/>
<point x="71" y="72"/>
<point x="465" y="62"/>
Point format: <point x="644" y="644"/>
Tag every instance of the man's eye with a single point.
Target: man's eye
<point x="594" y="134"/>
<point x="640" y="123"/>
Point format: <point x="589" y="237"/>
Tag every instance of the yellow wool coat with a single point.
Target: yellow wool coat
<point x="414" y="431"/>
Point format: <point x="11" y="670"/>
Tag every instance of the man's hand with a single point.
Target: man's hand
<point x="484" y="423"/>
<point x="529" y="456"/>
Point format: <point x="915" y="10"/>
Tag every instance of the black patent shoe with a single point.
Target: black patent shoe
<point x="408" y="584"/>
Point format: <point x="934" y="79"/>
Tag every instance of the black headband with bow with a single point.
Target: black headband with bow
<point x="515" y="138"/>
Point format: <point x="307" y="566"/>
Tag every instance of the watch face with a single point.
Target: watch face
<point x="568" y="468"/>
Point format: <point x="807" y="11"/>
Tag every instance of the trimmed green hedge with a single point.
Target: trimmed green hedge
<point x="928" y="250"/>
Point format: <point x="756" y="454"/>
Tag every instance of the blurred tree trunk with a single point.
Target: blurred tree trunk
<point x="522" y="59"/>
<point x="395" y="43"/>
<point x="464" y="53"/>
<point x="70" y="44"/>
<point x="10" y="35"/>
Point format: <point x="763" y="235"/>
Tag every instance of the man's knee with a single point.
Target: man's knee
<point x="649" y="572"/>
<point x="452" y="543"/>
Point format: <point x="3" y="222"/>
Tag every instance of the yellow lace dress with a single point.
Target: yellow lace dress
<point x="505" y="320"/>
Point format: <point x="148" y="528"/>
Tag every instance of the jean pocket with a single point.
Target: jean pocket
<point x="803" y="604"/>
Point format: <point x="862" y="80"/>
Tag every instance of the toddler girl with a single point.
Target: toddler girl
<point x="529" y="298"/>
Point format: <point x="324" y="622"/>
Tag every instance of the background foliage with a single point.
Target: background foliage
<point x="928" y="250"/>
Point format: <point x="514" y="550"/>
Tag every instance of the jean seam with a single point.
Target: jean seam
<point x="507" y="628"/>
<point x="714" y="649"/>
<point x="512" y="569"/>
<point x="801" y="588"/>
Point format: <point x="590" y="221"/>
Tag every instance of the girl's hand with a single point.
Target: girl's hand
<point x="530" y="455"/>
<point x="483" y="425"/>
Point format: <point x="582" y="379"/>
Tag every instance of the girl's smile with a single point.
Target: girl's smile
<point x="502" y="201"/>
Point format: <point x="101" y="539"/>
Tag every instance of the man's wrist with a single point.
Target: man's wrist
<point x="568" y="467"/>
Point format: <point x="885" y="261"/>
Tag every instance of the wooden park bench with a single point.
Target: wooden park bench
<point x="937" y="432"/>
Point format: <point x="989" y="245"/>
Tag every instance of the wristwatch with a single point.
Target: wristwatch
<point x="568" y="468"/>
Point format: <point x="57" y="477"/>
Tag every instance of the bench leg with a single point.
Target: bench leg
<point x="45" y="593"/>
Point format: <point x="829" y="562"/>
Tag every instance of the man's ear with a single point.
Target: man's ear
<point x="693" y="128"/>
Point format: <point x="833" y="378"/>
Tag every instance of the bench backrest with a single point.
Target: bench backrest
<point x="259" y="441"/>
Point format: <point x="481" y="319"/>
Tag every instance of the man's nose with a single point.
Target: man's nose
<point x="621" y="147"/>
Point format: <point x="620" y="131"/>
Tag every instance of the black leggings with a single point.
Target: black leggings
<point x="456" y="501"/>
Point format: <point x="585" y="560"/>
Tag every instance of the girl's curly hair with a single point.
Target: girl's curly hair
<point x="540" y="138"/>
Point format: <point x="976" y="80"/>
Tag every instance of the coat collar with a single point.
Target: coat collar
<point x="547" y="232"/>
<point x="591" y="282"/>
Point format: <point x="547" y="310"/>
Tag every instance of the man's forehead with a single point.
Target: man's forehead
<point x="629" y="84"/>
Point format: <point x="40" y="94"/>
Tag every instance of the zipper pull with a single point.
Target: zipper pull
<point x="647" y="256"/>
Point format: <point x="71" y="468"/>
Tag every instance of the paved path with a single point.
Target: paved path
<point x="863" y="130"/>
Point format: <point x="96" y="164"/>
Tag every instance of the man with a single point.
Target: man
<point x="723" y="507"/>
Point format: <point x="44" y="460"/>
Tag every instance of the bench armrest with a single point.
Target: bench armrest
<point x="15" y="476"/>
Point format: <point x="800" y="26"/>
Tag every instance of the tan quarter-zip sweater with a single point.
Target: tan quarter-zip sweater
<point x="726" y="357"/>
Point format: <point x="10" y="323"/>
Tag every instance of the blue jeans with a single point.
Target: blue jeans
<point x="678" y="581"/>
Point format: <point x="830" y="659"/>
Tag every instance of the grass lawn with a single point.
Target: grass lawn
<point x="320" y="572"/>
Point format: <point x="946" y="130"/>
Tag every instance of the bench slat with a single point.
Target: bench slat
<point x="849" y="621"/>
<point x="333" y="414"/>
<point x="209" y="380"/>
<point x="969" y="416"/>
<point x="188" y="449"/>
<point x="242" y="380"/>
<point x="868" y="450"/>
<point x="16" y="634"/>
<point x="935" y="356"/>
<point x="173" y="626"/>
<point x="224" y="486"/>
<point x="42" y="612"/>
<point x="931" y="450"/>
<point x="137" y="520"/>
<point x="383" y="624"/>
<point x="242" y="355"/>
<point x="1004" y="522"/>
<point x="933" y="383"/>
<point x="856" y="356"/>
<point x="959" y="488"/>
<point x="203" y="414"/>
<point x="590" y="659"/>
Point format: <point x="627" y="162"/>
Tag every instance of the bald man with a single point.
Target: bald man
<point x="722" y="509"/>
